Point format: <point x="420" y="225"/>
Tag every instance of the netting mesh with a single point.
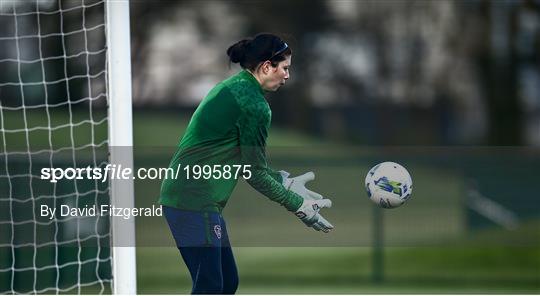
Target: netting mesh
<point x="53" y="113"/>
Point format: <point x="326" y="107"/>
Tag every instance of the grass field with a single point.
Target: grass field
<point x="348" y="270"/>
<point x="428" y="248"/>
<point x="428" y="245"/>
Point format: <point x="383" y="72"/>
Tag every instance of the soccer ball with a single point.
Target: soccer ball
<point x="389" y="185"/>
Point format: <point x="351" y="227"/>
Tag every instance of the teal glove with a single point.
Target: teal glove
<point x="313" y="202"/>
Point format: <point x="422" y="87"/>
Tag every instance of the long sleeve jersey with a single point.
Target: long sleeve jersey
<point x="228" y="128"/>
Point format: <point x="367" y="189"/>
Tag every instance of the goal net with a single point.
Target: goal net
<point x="55" y="99"/>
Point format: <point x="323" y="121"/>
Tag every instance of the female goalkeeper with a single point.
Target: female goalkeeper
<point x="228" y="131"/>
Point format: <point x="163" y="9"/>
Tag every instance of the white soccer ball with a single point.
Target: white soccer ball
<point x="389" y="185"/>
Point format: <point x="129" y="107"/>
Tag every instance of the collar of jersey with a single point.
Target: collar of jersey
<point x="248" y="76"/>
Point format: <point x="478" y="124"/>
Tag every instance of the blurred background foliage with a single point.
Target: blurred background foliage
<point x="375" y="72"/>
<point x="371" y="72"/>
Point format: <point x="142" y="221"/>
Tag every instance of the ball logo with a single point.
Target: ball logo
<point x="389" y="186"/>
<point x="217" y="231"/>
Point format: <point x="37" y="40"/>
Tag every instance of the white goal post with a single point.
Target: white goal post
<point x="121" y="140"/>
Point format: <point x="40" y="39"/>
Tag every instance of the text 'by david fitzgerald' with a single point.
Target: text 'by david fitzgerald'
<point x="101" y="210"/>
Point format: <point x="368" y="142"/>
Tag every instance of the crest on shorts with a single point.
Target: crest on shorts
<point x="217" y="231"/>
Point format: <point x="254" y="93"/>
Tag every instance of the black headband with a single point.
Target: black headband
<point x="280" y="51"/>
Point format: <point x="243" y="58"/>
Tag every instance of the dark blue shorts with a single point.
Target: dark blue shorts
<point x="197" y="229"/>
<point x="204" y="246"/>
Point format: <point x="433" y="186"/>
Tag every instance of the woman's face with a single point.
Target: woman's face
<point x="274" y="77"/>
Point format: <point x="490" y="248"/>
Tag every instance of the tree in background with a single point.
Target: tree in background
<point x="443" y="72"/>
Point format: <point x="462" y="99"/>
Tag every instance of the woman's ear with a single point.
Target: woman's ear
<point x="265" y="67"/>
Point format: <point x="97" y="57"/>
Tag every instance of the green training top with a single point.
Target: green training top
<point x="229" y="128"/>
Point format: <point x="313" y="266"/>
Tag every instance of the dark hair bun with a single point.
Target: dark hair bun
<point x="237" y="51"/>
<point x="263" y="47"/>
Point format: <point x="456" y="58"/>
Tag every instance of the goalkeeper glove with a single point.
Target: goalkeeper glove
<point x="313" y="202"/>
<point x="322" y="224"/>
